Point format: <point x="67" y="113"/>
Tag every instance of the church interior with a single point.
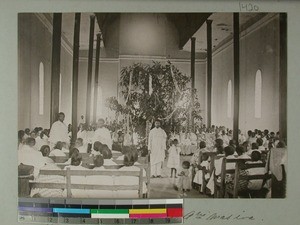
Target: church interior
<point x="216" y="83"/>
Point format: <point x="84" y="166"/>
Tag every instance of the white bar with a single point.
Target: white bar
<point x="157" y="201"/>
<point x="140" y="202"/>
<point x="174" y="201"/>
<point x="109" y="216"/>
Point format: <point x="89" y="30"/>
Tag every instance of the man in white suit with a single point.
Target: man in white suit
<point x="157" y="146"/>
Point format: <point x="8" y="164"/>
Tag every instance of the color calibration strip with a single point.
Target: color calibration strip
<point x="81" y="211"/>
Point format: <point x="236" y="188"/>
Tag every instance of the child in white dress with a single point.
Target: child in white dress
<point x="174" y="157"/>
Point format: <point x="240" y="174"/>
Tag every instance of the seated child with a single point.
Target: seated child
<point x="79" y="145"/>
<point x="254" y="146"/>
<point x="45" y="150"/>
<point x="29" y="156"/>
<point x="184" y="182"/>
<point x="57" y="151"/>
<point x="195" y="158"/>
<point x="40" y="141"/>
<point x="229" y="154"/>
<point x="107" y="155"/>
<point x="260" y="143"/>
<point x="21" y="139"/>
<point x="96" y="148"/>
<point x="201" y="169"/>
<point x="255" y="184"/>
<point x="240" y="150"/>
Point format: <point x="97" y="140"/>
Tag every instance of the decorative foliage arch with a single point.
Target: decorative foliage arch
<point x="155" y="91"/>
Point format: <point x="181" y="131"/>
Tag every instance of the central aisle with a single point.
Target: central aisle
<point x="162" y="187"/>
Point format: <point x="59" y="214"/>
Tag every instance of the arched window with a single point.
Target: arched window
<point x="41" y="89"/>
<point x="60" y="85"/>
<point x="229" y="99"/>
<point x="100" y="103"/>
<point x="257" y="94"/>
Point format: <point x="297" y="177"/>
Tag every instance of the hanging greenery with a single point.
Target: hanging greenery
<point x="155" y="91"/>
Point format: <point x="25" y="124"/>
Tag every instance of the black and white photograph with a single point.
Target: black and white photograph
<point x="152" y="105"/>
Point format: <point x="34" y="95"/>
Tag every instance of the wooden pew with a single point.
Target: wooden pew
<point x="69" y="186"/>
<point x="237" y="178"/>
<point x="59" y="159"/>
<point x="144" y="164"/>
<point x="220" y="186"/>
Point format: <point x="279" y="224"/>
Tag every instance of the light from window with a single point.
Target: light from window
<point x="229" y="99"/>
<point x="257" y="94"/>
<point x="100" y="103"/>
<point x="41" y="89"/>
<point x="60" y="94"/>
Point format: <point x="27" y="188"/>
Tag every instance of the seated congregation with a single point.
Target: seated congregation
<point x="210" y="164"/>
<point x="80" y="171"/>
<point x="252" y="168"/>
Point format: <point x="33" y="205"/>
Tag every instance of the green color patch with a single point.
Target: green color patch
<point x="110" y="211"/>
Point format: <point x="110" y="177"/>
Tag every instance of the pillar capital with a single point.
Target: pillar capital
<point x="209" y="22"/>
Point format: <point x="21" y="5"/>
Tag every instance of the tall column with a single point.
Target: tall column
<point x="209" y="70"/>
<point x="89" y="75"/>
<point x="283" y="77"/>
<point x="55" y="66"/>
<point x="75" y="77"/>
<point x="193" y="49"/>
<point x="236" y="74"/>
<point x="96" y="77"/>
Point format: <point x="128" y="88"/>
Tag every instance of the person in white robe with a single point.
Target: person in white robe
<point x="102" y="134"/>
<point x="39" y="142"/>
<point x="59" y="131"/>
<point x="29" y="156"/>
<point x="157" y="147"/>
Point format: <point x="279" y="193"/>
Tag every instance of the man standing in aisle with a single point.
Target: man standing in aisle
<point x="59" y="131"/>
<point x="157" y="146"/>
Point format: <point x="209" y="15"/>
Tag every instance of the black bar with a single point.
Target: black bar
<point x="96" y="77"/>
<point x="209" y="70"/>
<point x="123" y="206"/>
<point x="75" y="76"/>
<point x="283" y="77"/>
<point x="90" y="206"/>
<point x="157" y="206"/>
<point x="55" y="66"/>
<point x="193" y="49"/>
<point x="140" y="206"/>
<point x="236" y="74"/>
<point x="74" y="215"/>
<point x="107" y="207"/>
<point x="89" y="75"/>
<point x="174" y="206"/>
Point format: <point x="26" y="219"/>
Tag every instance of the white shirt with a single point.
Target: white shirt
<point x="29" y="156"/>
<point x="59" y="132"/>
<point x="103" y="135"/>
<point x="57" y="152"/>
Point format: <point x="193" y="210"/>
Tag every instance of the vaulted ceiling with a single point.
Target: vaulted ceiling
<point x="187" y="24"/>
